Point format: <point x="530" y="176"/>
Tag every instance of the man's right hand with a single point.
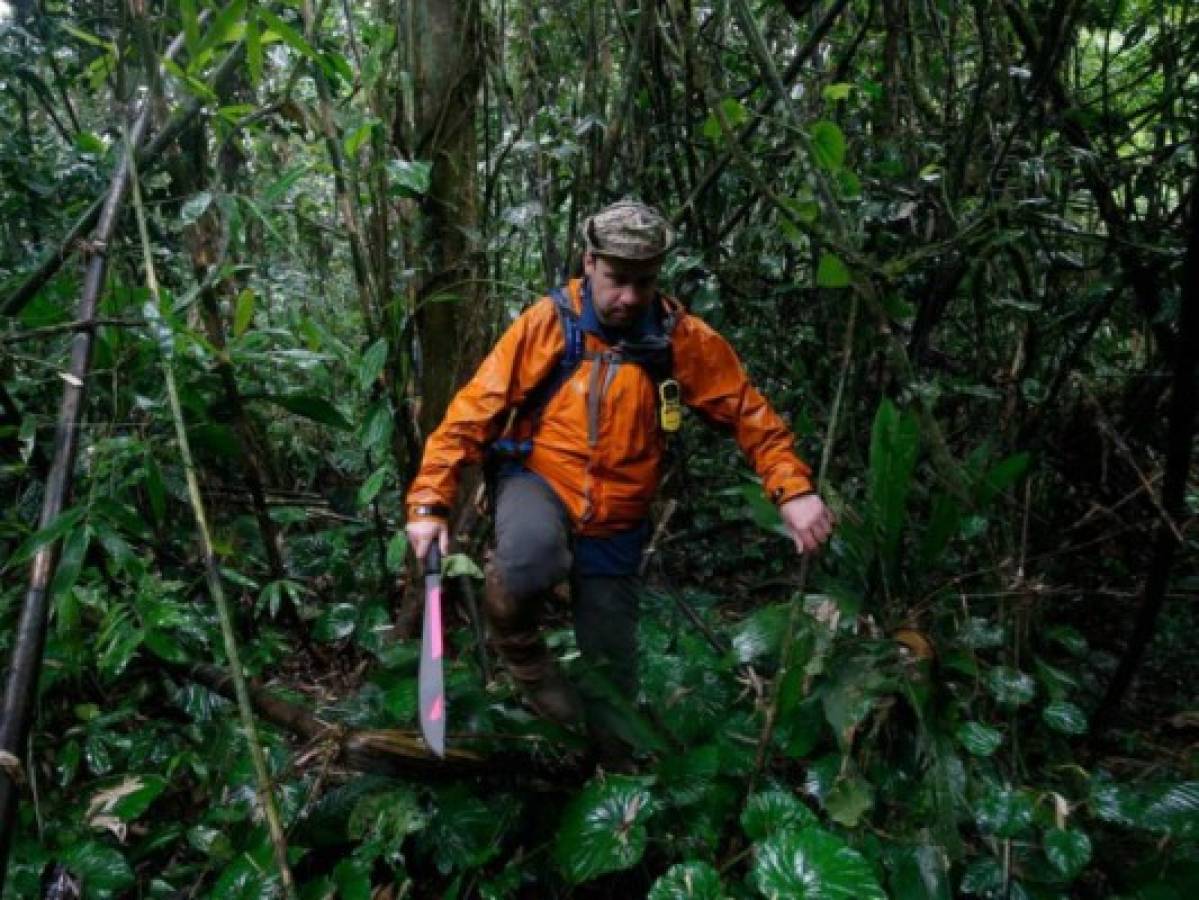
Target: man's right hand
<point x="423" y="533"/>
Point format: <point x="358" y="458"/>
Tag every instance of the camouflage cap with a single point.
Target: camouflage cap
<point x="628" y="230"/>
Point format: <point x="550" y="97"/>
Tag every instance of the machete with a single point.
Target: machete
<point x="431" y="682"/>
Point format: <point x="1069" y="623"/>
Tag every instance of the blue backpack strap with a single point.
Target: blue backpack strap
<point x="572" y="334"/>
<point x="573" y="353"/>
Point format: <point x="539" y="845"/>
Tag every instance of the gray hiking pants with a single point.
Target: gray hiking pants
<point x="533" y="554"/>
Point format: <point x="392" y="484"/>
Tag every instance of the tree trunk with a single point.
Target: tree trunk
<point x="447" y="69"/>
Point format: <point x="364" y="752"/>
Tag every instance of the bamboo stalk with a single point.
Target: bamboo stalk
<point x="212" y="571"/>
<point x="30" y="636"/>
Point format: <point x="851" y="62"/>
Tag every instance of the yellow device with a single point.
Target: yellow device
<point x="670" y="410"/>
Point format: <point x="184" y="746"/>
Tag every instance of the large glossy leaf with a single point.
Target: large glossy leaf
<point x="759" y="636"/>
<point x="811" y="864"/>
<point x="102" y="869"/>
<point x="1011" y="687"/>
<point x="603" y="828"/>
<point x="689" y="881"/>
<point x="1003" y="811"/>
<point x="769" y="812"/>
<point x="465" y="831"/>
<point x="1069" y="850"/>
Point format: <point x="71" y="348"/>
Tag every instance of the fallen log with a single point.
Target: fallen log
<point x="395" y="752"/>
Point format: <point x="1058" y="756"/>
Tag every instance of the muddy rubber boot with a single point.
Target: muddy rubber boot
<point x="515" y="634"/>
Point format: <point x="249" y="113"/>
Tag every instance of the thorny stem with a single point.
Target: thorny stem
<point x="211" y="568"/>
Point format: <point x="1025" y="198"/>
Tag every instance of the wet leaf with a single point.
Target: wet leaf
<point x="769" y="812"/>
<point x="979" y="739"/>
<point x="811" y="864"/>
<point x="100" y="867"/>
<point x="1069" y="850"/>
<point x="1011" y="687"/>
<point x="1065" y="717"/>
<point x="604" y="828"/>
<point x="689" y="881"/>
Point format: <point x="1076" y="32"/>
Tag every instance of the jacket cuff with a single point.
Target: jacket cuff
<point x="428" y="512"/>
<point x="790" y="489"/>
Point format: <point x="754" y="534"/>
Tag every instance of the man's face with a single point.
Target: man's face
<point x="621" y="290"/>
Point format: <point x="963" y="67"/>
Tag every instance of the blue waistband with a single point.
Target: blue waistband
<point x="611" y="555"/>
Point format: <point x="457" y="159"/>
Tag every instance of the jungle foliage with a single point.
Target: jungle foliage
<point x="956" y="242"/>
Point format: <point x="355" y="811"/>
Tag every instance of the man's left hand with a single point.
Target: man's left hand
<point x="808" y="521"/>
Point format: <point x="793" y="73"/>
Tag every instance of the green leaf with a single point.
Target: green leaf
<point x="86" y="36"/>
<point x="254" y="58"/>
<point x="828" y="145"/>
<point x="127" y="798"/>
<point x="409" y="177"/>
<point x="220" y="30"/>
<point x="459" y="564"/>
<point x="62" y="523"/>
<point x="355" y="139"/>
<point x="838" y="91"/>
<point x="88" y="142"/>
<point x="1068" y="850"/>
<point x="397" y="550"/>
<point x="1063" y="716"/>
<point x="278" y="189"/>
<point x="761" y="634"/>
<point x="1003" y="811"/>
<point x="604" y="828"/>
<point x="98" y="866"/>
<point x="290" y="36"/>
<point x="376" y="429"/>
<point x="769" y="812"/>
<point x="812" y="864"/>
<point x="74" y="551"/>
<point x="372" y="363"/>
<point x="244" y="313"/>
<point x="336" y="623"/>
<point x="689" y="881"/>
<point x="371" y="487"/>
<point x="1002" y="476"/>
<point x="1175" y="811"/>
<point x="311" y="407"/>
<point x="832" y="272"/>
<point x="1011" y="687"/>
<point x="979" y="739"/>
<point x="734" y="112"/>
<point x="466" y="832"/>
<point x="894" y="443"/>
<point x="849" y="799"/>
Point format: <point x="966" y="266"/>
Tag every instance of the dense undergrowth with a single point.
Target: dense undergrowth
<point x="925" y="748"/>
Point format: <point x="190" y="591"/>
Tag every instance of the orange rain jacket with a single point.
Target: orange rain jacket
<point x="604" y="468"/>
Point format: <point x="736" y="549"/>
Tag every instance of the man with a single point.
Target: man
<point x="582" y="382"/>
